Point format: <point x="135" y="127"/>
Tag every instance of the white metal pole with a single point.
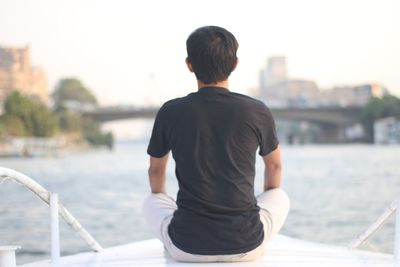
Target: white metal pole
<point x="374" y="227"/>
<point x="396" y="251"/>
<point x="44" y="195"/>
<point x="7" y="256"/>
<point x="55" y="231"/>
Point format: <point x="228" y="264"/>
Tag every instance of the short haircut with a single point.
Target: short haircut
<point x="212" y="53"/>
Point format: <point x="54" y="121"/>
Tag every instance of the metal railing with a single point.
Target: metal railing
<point x="56" y="208"/>
<point x="377" y="224"/>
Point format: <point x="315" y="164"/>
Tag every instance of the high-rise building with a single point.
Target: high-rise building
<point x="278" y="90"/>
<point x="17" y="73"/>
<point x="274" y="73"/>
<point x="277" y="70"/>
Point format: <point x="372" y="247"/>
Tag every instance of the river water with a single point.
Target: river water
<point x="336" y="192"/>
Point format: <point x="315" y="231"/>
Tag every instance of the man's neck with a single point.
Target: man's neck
<point x="223" y="84"/>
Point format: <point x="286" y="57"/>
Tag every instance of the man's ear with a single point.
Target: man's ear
<point x="235" y="65"/>
<point x="189" y="65"/>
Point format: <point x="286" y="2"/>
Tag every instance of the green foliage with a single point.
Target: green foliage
<point x="21" y="107"/>
<point x="11" y="125"/>
<point x="90" y="126"/>
<point x="24" y="116"/>
<point x="100" y="139"/>
<point x="71" y="89"/>
<point x="35" y="117"/>
<point x="378" y="108"/>
<point x="69" y="121"/>
<point x="95" y="136"/>
<point x="43" y="121"/>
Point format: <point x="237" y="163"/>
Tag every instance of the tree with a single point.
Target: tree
<point x="44" y="122"/>
<point x="378" y="108"/>
<point x="70" y="98"/>
<point x="11" y="126"/>
<point x="100" y="139"/>
<point x="69" y="121"/>
<point x="95" y="136"/>
<point x="72" y="90"/>
<point x="35" y="117"/>
<point x="20" y="106"/>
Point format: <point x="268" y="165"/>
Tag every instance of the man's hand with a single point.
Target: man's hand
<point x="157" y="174"/>
<point x="273" y="169"/>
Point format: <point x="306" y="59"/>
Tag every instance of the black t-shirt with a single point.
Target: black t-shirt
<point x="214" y="135"/>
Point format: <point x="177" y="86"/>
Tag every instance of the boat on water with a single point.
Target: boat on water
<point x="281" y="251"/>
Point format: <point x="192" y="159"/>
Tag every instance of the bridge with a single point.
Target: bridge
<point x="332" y="120"/>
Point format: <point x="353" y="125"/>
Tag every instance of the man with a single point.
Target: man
<point x="214" y="135"/>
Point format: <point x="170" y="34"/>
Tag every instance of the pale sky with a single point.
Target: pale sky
<point x="133" y="52"/>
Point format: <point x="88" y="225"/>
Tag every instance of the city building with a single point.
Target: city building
<point x="346" y="96"/>
<point x="387" y="131"/>
<point x="274" y="73"/>
<point x="277" y="90"/>
<point x="17" y="73"/>
<point x="293" y="93"/>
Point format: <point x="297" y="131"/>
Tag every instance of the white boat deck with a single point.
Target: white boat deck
<point x="282" y="251"/>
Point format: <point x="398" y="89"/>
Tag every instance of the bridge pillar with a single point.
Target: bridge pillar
<point x="332" y="134"/>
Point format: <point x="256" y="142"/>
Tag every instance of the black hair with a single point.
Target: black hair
<point x="212" y="53"/>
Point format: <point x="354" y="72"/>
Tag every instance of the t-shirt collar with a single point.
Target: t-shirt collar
<point x="213" y="89"/>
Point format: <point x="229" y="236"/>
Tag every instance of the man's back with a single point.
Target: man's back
<point x="214" y="135"/>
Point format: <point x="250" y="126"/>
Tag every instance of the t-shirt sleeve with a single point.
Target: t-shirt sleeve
<point x="268" y="137"/>
<point x="159" y="143"/>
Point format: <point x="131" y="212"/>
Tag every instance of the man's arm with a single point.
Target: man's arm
<point x="273" y="169"/>
<point x="157" y="174"/>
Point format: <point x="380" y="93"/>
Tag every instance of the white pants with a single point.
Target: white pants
<point x="158" y="210"/>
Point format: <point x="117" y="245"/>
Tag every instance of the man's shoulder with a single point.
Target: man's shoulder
<point x="171" y="103"/>
<point x="175" y="105"/>
<point x="251" y="102"/>
<point x="242" y="101"/>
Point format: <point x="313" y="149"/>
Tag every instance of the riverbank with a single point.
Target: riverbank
<point x="27" y="147"/>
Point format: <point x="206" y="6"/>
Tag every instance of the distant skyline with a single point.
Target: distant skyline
<point x="133" y="52"/>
